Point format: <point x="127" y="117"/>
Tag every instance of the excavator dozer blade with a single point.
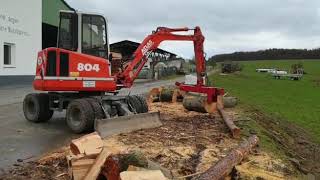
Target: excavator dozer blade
<point x="125" y="124"/>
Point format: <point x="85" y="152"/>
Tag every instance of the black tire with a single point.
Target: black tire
<point x="135" y="103"/>
<point x="98" y="111"/>
<point x="80" y="116"/>
<point x="144" y="104"/>
<point x="36" y="108"/>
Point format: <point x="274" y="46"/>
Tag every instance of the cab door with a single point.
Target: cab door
<point x="68" y="31"/>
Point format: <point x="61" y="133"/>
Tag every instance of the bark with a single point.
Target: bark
<point x="223" y="167"/>
<point x="111" y="168"/>
<point x="198" y="103"/>
<point x="229" y="102"/>
<point x="233" y="128"/>
<point x="166" y="94"/>
<point x="95" y="169"/>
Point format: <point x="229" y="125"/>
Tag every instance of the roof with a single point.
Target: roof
<point x="128" y="47"/>
<point x="50" y="11"/>
<point x="66" y="4"/>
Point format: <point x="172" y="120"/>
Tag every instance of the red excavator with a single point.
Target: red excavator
<point x="76" y="76"/>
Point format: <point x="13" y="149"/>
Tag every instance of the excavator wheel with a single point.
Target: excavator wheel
<point x="135" y="103"/>
<point x="98" y="112"/>
<point x="36" y="107"/>
<point x="144" y="104"/>
<point x="80" y="116"/>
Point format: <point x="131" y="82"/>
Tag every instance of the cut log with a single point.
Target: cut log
<point x="223" y="167"/>
<point x="235" y="131"/>
<point x="95" y="169"/>
<point x="89" y="144"/>
<point x="154" y="95"/>
<point x="230" y="102"/>
<point x="166" y="94"/>
<point x="198" y="103"/>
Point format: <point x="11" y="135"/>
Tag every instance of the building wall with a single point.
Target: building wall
<point x="50" y="11"/>
<point x="50" y="21"/>
<point x="20" y="27"/>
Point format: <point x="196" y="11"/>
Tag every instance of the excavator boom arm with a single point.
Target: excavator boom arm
<point x="152" y="42"/>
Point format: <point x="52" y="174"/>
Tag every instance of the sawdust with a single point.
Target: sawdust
<point x="187" y="143"/>
<point x="191" y="142"/>
<point x="263" y="166"/>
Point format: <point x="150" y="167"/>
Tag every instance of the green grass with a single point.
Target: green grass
<point x="295" y="101"/>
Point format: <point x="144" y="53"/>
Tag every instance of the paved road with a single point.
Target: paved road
<point x="21" y="139"/>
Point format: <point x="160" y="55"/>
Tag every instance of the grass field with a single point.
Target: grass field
<point x="295" y="101"/>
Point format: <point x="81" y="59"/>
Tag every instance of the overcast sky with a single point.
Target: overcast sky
<point x="228" y="25"/>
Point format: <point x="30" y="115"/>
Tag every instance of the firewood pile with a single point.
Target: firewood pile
<point x="90" y="159"/>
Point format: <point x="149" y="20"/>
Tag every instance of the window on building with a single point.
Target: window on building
<point x="8" y="55"/>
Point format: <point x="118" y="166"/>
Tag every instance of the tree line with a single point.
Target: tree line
<point x="269" y="54"/>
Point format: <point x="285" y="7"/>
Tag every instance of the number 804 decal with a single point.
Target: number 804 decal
<point x="88" y="67"/>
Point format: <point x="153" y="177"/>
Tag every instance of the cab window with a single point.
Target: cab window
<point x="94" y="35"/>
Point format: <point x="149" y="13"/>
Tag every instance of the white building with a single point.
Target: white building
<point x="20" y="36"/>
<point x="26" y="27"/>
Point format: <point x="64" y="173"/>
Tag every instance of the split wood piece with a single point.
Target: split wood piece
<point x="74" y="161"/>
<point x="154" y="95"/>
<point x="70" y="160"/>
<point x="152" y="166"/>
<point x="235" y="131"/>
<point x="89" y="144"/>
<point x="224" y="166"/>
<point x="95" y="169"/>
<point x="80" y="168"/>
<point x="142" y="175"/>
<point x="197" y="102"/>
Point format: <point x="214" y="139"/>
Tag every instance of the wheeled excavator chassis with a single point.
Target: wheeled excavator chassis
<point x="84" y="109"/>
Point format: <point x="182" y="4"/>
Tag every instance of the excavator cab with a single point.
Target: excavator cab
<point x="84" y="33"/>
